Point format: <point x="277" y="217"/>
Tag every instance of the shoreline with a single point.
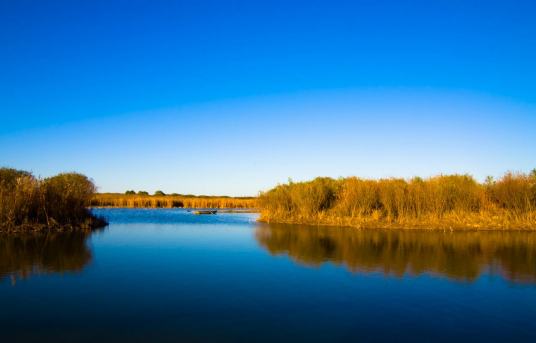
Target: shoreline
<point x="92" y="223"/>
<point x="437" y="225"/>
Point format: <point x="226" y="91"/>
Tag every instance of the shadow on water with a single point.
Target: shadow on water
<point x="24" y="255"/>
<point x="457" y="255"/>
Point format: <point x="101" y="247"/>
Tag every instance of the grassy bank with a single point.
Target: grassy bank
<point x="28" y="203"/>
<point x="446" y="201"/>
<point x="169" y="201"/>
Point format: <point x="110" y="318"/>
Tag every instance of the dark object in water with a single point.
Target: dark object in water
<point x="205" y="212"/>
<point x="239" y="210"/>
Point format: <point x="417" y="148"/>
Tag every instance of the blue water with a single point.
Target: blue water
<point x="169" y="276"/>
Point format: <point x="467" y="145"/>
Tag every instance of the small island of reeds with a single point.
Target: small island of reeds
<point x="56" y="203"/>
<point x="440" y="202"/>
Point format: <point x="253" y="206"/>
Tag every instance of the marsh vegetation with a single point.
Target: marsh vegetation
<point x="60" y="202"/>
<point x="446" y="201"/>
<point x="160" y="200"/>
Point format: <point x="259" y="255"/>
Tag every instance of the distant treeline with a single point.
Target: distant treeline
<point x="142" y="199"/>
<point x="446" y="201"/>
<point x="28" y="203"/>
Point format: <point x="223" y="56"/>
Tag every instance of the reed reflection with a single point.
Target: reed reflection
<point x="463" y="255"/>
<point x="23" y="255"/>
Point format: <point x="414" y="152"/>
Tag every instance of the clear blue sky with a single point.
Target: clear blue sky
<point x="232" y="97"/>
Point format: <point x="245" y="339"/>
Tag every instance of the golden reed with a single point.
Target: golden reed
<point x="444" y="202"/>
<point x="60" y="202"/>
<point x="170" y="201"/>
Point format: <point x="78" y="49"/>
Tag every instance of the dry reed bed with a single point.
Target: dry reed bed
<point x="28" y="203"/>
<point x="170" y="201"/>
<point x="446" y="201"/>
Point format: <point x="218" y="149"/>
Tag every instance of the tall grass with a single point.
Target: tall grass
<point x="446" y="201"/>
<point x="59" y="202"/>
<point x="170" y="201"/>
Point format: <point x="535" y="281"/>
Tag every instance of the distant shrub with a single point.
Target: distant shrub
<point x="130" y="192"/>
<point x="143" y="193"/>
<point x="159" y="193"/>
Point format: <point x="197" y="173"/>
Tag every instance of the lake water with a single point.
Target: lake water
<point x="170" y="276"/>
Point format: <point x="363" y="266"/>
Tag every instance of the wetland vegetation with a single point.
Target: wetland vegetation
<point x="142" y="199"/>
<point x="60" y="202"/>
<point x="440" y="202"/>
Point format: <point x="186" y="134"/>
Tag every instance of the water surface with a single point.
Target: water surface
<point x="168" y="275"/>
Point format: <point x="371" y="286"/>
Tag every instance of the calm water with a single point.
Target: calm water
<point x="167" y="275"/>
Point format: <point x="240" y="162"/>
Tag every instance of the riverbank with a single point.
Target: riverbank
<point x="90" y="223"/>
<point x="454" y="221"/>
<point x="441" y="202"/>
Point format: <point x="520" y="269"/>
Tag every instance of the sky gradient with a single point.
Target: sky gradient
<point x="233" y="97"/>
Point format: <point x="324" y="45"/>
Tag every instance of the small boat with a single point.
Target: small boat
<point x="205" y="212"/>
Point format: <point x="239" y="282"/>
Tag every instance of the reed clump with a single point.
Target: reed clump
<point x="170" y="201"/>
<point x="28" y="203"/>
<point x="445" y="201"/>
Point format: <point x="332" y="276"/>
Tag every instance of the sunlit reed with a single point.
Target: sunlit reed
<point x="170" y="201"/>
<point x="28" y="203"/>
<point x="445" y="201"/>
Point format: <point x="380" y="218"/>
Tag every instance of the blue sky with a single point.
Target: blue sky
<point x="232" y="97"/>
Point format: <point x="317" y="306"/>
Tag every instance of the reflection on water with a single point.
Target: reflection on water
<point x="457" y="255"/>
<point x="171" y="276"/>
<point x="22" y="255"/>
